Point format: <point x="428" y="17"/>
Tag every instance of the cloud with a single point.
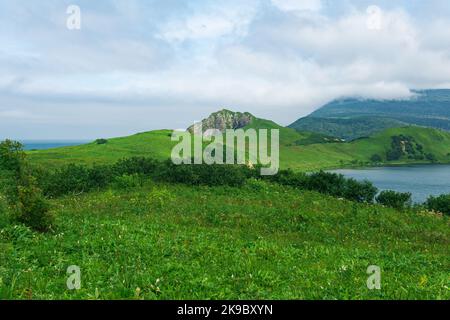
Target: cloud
<point x="296" y="5"/>
<point x="163" y="64"/>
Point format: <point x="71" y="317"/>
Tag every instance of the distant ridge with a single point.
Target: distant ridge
<point x="352" y="118"/>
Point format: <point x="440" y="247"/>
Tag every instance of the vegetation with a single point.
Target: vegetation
<point x="259" y="241"/>
<point x="439" y="204"/>
<point x="345" y="128"/>
<point x="310" y="157"/>
<point x="354" y="118"/>
<point x="101" y="141"/>
<point x="19" y="188"/>
<point x="376" y="158"/>
<point x="397" y="200"/>
<point x="407" y="146"/>
<point x="141" y="227"/>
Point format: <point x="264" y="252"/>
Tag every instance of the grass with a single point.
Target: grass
<point x="157" y="144"/>
<point x="258" y="242"/>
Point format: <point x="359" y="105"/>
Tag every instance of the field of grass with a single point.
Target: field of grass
<point x="310" y="157"/>
<point x="261" y="241"/>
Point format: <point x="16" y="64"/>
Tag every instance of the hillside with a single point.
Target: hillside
<point x="298" y="151"/>
<point x="260" y="241"/>
<point x="355" y="118"/>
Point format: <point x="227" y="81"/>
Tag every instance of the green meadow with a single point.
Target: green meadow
<point x="260" y="241"/>
<point x="154" y="240"/>
<point x="298" y="150"/>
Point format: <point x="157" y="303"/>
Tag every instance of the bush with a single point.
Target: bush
<point x="210" y="175"/>
<point x="127" y="181"/>
<point x="376" y="158"/>
<point x="33" y="209"/>
<point x="11" y="156"/>
<point x="101" y="141"/>
<point x="75" y="179"/>
<point x="393" y="155"/>
<point x="357" y="191"/>
<point x="439" y="204"/>
<point x="393" y="199"/>
<point x="431" y="157"/>
<point x="328" y="183"/>
<point x="136" y="165"/>
<point x="4" y="212"/>
<point x="70" y="179"/>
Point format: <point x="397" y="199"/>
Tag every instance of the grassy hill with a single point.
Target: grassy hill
<point x="353" y="118"/>
<point x="298" y="150"/>
<point x="261" y="241"/>
<point x="139" y="239"/>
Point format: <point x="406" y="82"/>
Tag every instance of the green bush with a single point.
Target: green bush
<point x="431" y="157"/>
<point x="70" y="179"/>
<point x="75" y="179"/>
<point x="439" y="204"/>
<point x="127" y="181"/>
<point x="376" y="158"/>
<point x="357" y="191"/>
<point x="101" y="141"/>
<point x="33" y="209"/>
<point x="137" y="165"/>
<point x="11" y="156"/>
<point x="4" y="212"/>
<point x="328" y="183"/>
<point x="210" y="175"/>
<point x="393" y="199"/>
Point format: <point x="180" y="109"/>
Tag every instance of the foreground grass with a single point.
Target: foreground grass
<point x="257" y="242"/>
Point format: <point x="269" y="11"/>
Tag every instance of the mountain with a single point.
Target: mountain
<point x="226" y="119"/>
<point x="354" y="118"/>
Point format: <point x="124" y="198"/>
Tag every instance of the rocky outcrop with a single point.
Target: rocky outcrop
<point x="225" y="119"/>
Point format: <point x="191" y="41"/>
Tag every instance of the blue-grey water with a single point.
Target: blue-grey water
<point x="421" y="180"/>
<point x="50" y="144"/>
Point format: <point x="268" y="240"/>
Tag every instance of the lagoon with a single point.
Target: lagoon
<point x="421" y="180"/>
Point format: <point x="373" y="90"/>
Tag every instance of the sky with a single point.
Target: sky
<point x="140" y="65"/>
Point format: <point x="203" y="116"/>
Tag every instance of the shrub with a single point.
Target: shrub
<point x="4" y="212"/>
<point x="439" y="204"/>
<point x="393" y="155"/>
<point x="290" y="178"/>
<point x="363" y="191"/>
<point x="33" y="209"/>
<point x="8" y="186"/>
<point x="202" y="174"/>
<point x="99" y="177"/>
<point x="136" y="165"/>
<point x="11" y="156"/>
<point x="393" y="199"/>
<point x="127" y="181"/>
<point x="101" y="141"/>
<point x="376" y="158"/>
<point x="327" y="183"/>
<point x="431" y="157"/>
<point x="70" y="179"/>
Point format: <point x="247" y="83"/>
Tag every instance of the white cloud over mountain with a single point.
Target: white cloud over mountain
<point x="167" y="63"/>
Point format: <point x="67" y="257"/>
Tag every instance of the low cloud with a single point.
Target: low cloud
<point x="278" y="59"/>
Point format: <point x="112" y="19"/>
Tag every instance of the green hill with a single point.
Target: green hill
<point x="293" y="153"/>
<point x="354" y="118"/>
<point x="139" y="239"/>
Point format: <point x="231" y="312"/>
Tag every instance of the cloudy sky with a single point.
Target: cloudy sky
<point x="139" y="65"/>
